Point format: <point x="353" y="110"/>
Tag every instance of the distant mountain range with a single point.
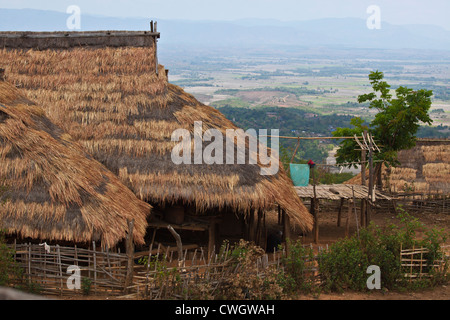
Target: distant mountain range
<point x="332" y="32"/>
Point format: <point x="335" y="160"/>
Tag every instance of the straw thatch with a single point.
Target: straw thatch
<point x="55" y="191"/>
<point x="424" y="168"/>
<point x="114" y="104"/>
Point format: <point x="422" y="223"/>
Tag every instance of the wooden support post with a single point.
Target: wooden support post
<point x="279" y="215"/>
<point x="340" y="212"/>
<point x="179" y="244"/>
<point x="251" y="226"/>
<point x="286" y="230"/>
<point x="265" y="232"/>
<point x="258" y="229"/>
<point x="130" y="255"/>
<point x="347" y="221"/>
<point x="369" y="202"/>
<point x="315" y="208"/>
<point x="316" y="220"/>
<point x="363" y="167"/>
<point x="363" y="212"/>
<point x="212" y="237"/>
<point x="368" y="213"/>
<point x="95" y="264"/>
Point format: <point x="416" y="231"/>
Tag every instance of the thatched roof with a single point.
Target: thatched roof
<point x="424" y="168"/>
<point x="55" y="190"/>
<point x="114" y="104"/>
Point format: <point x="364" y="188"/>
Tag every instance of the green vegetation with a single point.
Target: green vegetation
<point x="291" y="122"/>
<point x="295" y="90"/>
<point x="344" y="265"/>
<point x="439" y="132"/>
<point x="395" y="124"/>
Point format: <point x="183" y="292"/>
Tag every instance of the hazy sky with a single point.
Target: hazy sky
<point x="393" y="11"/>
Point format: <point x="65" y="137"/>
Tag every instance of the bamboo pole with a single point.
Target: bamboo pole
<point x="130" y="255"/>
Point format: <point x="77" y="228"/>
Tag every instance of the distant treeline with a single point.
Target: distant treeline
<point x="291" y="122"/>
<point x="296" y="122"/>
<point x="297" y="91"/>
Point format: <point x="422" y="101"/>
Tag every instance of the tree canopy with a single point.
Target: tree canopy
<point x="395" y="125"/>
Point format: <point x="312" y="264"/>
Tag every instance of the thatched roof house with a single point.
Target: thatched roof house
<point x="54" y="189"/>
<point x="424" y="168"/>
<point x="123" y="112"/>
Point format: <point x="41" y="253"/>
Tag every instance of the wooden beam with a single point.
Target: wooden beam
<point x="308" y="138"/>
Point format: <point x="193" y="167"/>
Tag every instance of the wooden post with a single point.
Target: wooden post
<point x="265" y="231"/>
<point x="286" y="230"/>
<point x="347" y="221"/>
<point x="315" y="209"/>
<point x="259" y="229"/>
<point x="354" y="208"/>
<point x="60" y="269"/>
<point x="370" y="179"/>
<point x="279" y="215"/>
<point x="212" y="237"/>
<point x="316" y="221"/>
<point x="340" y="212"/>
<point x="363" y="212"/>
<point x="363" y="167"/>
<point x="179" y="244"/>
<point x="251" y="226"/>
<point x="368" y="212"/>
<point x="130" y="255"/>
<point x="95" y="265"/>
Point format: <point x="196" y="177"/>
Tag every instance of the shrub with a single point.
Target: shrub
<point x="9" y="271"/>
<point x="245" y="281"/>
<point x="344" y="265"/>
<point x="299" y="269"/>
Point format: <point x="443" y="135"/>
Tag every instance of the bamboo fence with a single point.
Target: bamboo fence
<point x="167" y="274"/>
<point x="47" y="267"/>
<point x="416" y="264"/>
<point x="163" y="277"/>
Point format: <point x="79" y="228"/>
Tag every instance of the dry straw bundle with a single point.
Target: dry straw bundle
<point x="424" y="168"/>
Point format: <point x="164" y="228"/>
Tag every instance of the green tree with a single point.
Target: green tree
<point x="395" y="125"/>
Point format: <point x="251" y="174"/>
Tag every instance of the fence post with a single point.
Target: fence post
<point x="130" y="255"/>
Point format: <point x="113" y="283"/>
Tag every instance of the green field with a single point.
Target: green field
<point x="324" y="86"/>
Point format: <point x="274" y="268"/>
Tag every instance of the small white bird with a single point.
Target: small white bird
<point x="46" y="246"/>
